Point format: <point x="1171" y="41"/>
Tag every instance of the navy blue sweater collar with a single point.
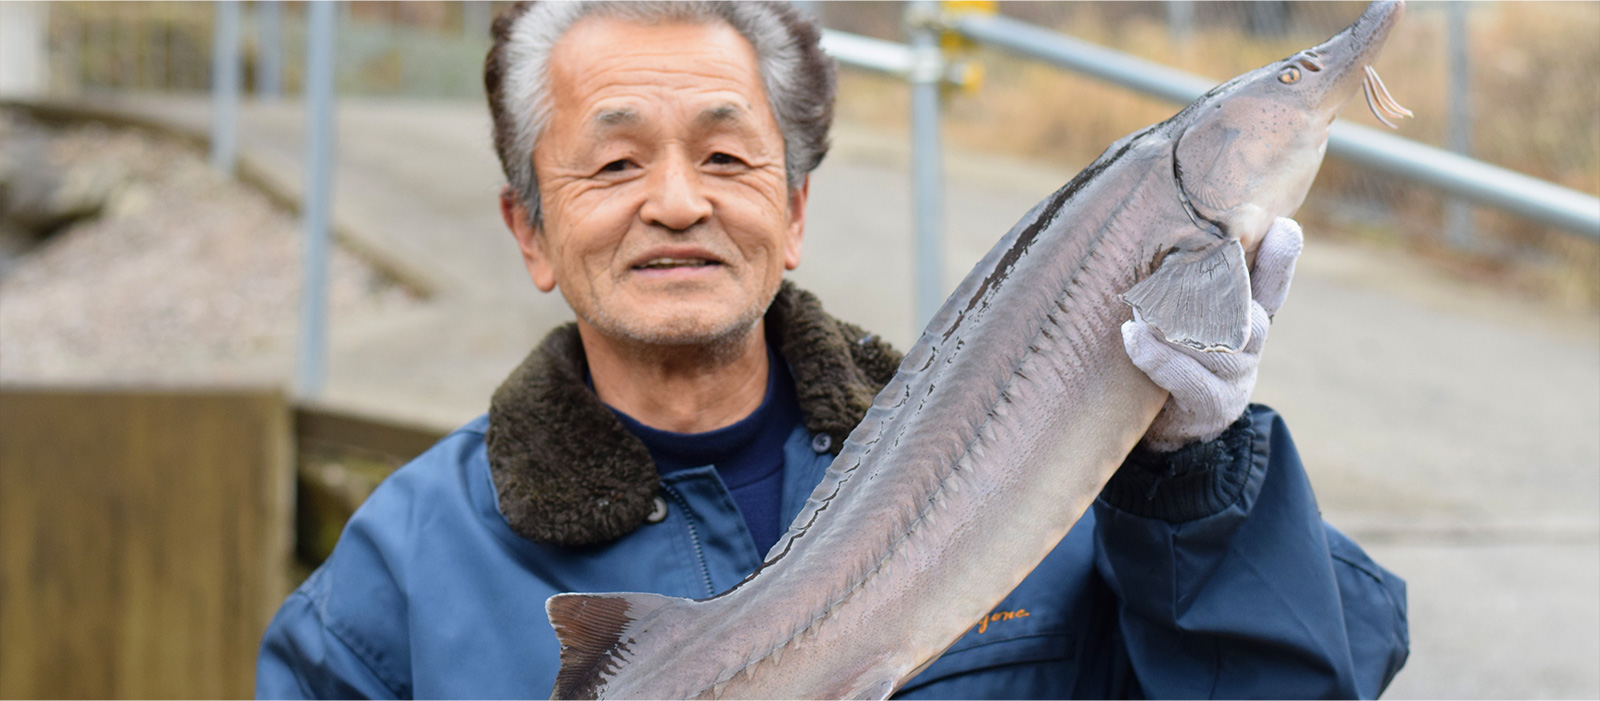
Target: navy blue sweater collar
<point x="743" y="452"/>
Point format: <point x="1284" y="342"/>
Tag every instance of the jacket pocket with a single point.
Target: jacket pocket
<point x="1037" y="665"/>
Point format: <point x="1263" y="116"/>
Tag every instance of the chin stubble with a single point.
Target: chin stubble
<point x="712" y="345"/>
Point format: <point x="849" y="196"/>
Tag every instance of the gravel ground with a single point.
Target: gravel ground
<point x="183" y="277"/>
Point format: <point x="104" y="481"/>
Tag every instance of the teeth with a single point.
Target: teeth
<point x="675" y="263"/>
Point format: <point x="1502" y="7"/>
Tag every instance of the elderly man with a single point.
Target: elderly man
<point x="658" y="156"/>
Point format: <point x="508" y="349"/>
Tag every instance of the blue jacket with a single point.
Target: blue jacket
<point x="1207" y="573"/>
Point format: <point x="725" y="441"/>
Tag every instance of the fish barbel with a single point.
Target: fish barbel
<point x="1007" y="417"/>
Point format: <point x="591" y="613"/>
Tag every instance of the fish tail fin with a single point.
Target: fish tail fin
<point x="599" y="633"/>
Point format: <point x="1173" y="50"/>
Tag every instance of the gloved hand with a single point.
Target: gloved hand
<point x="1211" y="390"/>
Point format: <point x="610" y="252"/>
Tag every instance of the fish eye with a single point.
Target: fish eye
<point x="1289" y="74"/>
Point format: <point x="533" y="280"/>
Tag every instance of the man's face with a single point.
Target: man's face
<point x="666" y="214"/>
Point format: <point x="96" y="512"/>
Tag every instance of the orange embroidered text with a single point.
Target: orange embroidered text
<point x="983" y="623"/>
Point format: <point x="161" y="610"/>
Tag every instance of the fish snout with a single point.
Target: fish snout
<point x="1344" y="61"/>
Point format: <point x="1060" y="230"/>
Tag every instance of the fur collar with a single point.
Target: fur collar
<point x="567" y="471"/>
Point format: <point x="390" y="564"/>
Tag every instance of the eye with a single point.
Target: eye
<point x="1289" y="75"/>
<point x="616" y="166"/>
<point x="722" y="159"/>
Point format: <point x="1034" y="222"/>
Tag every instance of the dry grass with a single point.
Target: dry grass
<point x="1536" y="109"/>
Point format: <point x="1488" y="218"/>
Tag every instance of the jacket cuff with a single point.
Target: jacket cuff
<point x="1195" y="481"/>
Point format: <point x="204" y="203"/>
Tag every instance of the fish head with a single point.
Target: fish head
<point x="1243" y="155"/>
<point x="1248" y="150"/>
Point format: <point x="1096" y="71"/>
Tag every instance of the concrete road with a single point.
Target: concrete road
<point x="1454" y="430"/>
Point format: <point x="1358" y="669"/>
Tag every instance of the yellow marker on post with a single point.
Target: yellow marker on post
<point x="962" y="73"/>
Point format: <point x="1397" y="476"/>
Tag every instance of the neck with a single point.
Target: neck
<point x="683" y="389"/>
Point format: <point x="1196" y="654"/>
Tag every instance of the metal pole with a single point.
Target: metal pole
<point x="96" y="37"/>
<point x="269" y="79"/>
<point x="1481" y="182"/>
<point x="24" y="49"/>
<point x="126" y="50"/>
<point x="476" y="17"/>
<point x="810" y="8"/>
<point x="156" y="45"/>
<point x="927" y="178"/>
<point x="1268" y="18"/>
<point x="71" y="51"/>
<point x="1180" y="20"/>
<point x="225" y="68"/>
<point x="1458" y="213"/>
<point x="311" y="368"/>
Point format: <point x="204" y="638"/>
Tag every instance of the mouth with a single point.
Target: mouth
<point x="672" y="262"/>
<point x="675" y="263"/>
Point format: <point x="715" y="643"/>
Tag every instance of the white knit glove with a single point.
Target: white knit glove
<point x="1211" y="390"/>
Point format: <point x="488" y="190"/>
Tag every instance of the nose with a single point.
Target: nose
<point x="676" y="200"/>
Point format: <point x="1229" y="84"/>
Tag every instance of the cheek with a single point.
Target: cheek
<point x="757" y="215"/>
<point x="593" y="225"/>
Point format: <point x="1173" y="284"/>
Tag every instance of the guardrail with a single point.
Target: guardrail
<point x="927" y="67"/>
<point x="1481" y="182"/>
<point x="1458" y="175"/>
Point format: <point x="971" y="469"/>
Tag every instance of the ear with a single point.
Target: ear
<point x="1200" y="299"/>
<point x="797" y="224"/>
<point x="530" y="239"/>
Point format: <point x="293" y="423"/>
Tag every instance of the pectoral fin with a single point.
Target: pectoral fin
<point x="599" y="632"/>
<point x="1201" y="300"/>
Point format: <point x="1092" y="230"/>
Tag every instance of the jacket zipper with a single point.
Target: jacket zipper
<point x="694" y="537"/>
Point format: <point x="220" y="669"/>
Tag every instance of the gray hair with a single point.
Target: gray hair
<point x="798" y="77"/>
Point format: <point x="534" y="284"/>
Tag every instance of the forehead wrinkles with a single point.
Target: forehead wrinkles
<point x="601" y="55"/>
<point x="649" y="62"/>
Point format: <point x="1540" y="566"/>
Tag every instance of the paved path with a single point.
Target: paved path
<point x="1453" y="430"/>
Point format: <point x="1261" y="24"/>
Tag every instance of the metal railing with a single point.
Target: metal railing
<point x="1457" y="175"/>
<point x="927" y="67"/>
<point x="1481" y="182"/>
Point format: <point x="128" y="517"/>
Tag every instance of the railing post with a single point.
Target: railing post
<point x="70" y="52"/>
<point x="157" y="46"/>
<point x="225" y="67"/>
<point x="321" y="69"/>
<point x="1458" y="212"/>
<point x="24" y="30"/>
<point x="476" y="18"/>
<point x="1180" y="20"/>
<point x="269" y="23"/>
<point x="927" y="162"/>
<point x="811" y="8"/>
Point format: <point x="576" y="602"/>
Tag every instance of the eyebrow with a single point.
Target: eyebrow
<point x="619" y="117"/>
<point x="720" y="114"/>
<point x="622" y="116"/>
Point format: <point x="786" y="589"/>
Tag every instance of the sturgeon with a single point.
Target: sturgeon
<point x="1006" y="418"/>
